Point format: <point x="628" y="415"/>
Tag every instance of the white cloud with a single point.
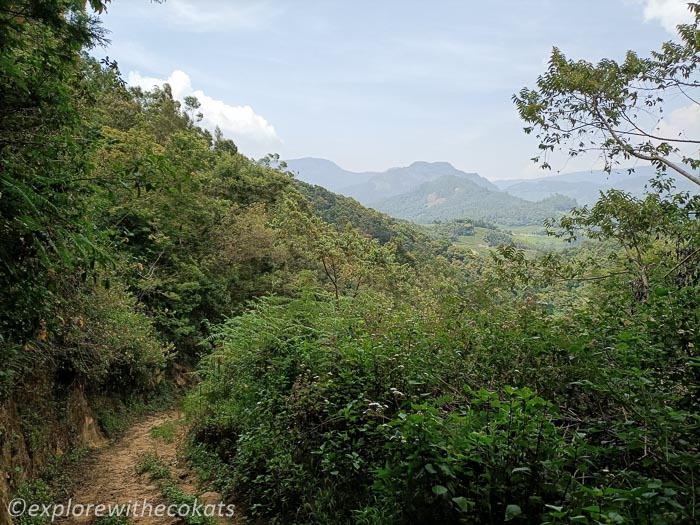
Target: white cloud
<point x="669" y="13"/>
<point x="683" y="122"/>
<point x="241" y="123"/>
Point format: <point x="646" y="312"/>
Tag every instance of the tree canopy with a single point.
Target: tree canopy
<point x="617" y="109"/>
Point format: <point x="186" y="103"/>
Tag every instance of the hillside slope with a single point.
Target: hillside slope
<point x="452" y="197"/>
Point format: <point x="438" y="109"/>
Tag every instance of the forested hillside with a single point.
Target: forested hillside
<point x="337" y="365"/>
<point x="128" y="232"/>
<point x="450" y="198"/>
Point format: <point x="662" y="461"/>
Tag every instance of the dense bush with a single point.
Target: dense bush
<point x="110" y="344"/>
<point x="365" y="411"/>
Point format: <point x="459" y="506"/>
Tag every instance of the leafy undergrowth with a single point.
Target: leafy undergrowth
<point x="159" y="472"/>
<point x="314" y="411"/>
<point x="166" y="431"/>
<point x="116" y="415"/>
<point x="54" y="484"/>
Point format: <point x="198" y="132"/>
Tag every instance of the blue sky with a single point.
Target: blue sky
<point x="375" y="84"/>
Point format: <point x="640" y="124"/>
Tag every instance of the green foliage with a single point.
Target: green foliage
<point x="36" y="492"/>
<point x="54" y="483"/>
<point x="373" y="411"/>
<point x="354" y="369"/>
<point x="152" y="465"/>
<point x="339" y="210"/>
<point x="58" y="311"/>
<point x="96" y="335"/>
<point x="456" y="228"/>
<point x="579" y="106"/>
<point x="158" y="471"/>
<point x="166" y="431"/>
<point x="496" y="238"/>
<point x="44" y="222"/>
<point x="176" y="496"/>
<point x="113" y="343"/>
<point x="474" y="465"/>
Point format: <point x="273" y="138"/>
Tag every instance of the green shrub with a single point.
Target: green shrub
<point x="315" y="411"/>
<point x="107" y="341"/>
<point x="36" y="492"/>
<point x="166" y="431"/>
<point x="152" y="465"/>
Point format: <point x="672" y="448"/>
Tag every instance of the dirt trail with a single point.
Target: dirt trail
<point x="110" y="477"/>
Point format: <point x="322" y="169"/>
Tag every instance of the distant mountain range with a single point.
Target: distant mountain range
<point x="428" y="191"/>
<point x="450" y="197"/>
<point x="372" y="187"/>
<point x="585" y="186"/>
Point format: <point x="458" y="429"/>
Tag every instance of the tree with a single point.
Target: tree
<point x="659" y="235"/>
<point x="45" y="148"/>
<point x="223" y="144"/>
<point x="191" y="105"/>
<point x="618" y="108"/>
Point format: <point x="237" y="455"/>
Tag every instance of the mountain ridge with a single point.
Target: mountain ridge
<point x="426" y="191"/>
<point x="585" y="186"/>
<point x="448" y="198"/>
<point x="374" y="186"/>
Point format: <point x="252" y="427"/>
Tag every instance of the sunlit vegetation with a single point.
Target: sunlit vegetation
<point x="352" y="368"/>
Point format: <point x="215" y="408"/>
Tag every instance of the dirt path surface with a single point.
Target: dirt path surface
<point x="110" y="477"/>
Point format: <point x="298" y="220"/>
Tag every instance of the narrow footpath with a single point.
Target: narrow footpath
<point x="112" y="476"/>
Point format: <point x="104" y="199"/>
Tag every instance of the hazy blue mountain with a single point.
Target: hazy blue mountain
<point x="585" y="186"/>
<point x="428" y="191"/>
<point x="451" y="197"/>
<point x="326" y="173"/>
<point x="372" y="187"/>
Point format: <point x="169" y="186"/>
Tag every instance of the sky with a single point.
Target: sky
<point x="373" y="84"/>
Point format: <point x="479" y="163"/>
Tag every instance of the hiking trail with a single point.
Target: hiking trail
<point x="110" y="477"/>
